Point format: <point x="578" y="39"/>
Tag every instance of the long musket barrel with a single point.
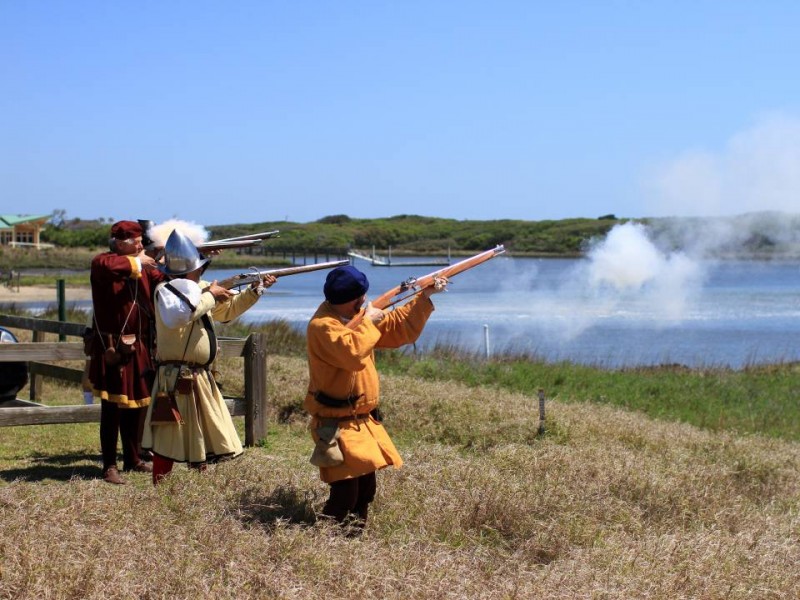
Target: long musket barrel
<point x="222" y="245"/>
<point x="241" y="241"/>
<point x="256" y="275"/>
<point x="414" y="285"/>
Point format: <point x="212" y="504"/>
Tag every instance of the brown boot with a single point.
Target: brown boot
<point x="141" y="467"/>
<point x="111" y="475"/>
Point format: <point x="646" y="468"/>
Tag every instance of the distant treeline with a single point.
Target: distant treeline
<point x="764" y="234"/>
<point x="428" y="235"/>
<point x="403" y="233"/>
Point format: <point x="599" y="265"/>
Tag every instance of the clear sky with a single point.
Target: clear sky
<point x="248" y="111"/>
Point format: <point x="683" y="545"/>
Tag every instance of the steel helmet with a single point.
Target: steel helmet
<point x="181" y="256"/>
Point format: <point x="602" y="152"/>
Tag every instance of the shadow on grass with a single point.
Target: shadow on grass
<point x="60" y="467"/>
<point x="284" y="504"/>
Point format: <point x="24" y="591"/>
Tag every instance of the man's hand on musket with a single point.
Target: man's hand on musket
<point x="439" y="285"/>
<point x="262" y="284"/>
<point x="374" y="314"/>
<point x="220" y="293"/>
<point x="148" y="262"/>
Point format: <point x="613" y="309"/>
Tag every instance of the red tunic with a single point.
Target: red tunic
<point x="122" y="296"/>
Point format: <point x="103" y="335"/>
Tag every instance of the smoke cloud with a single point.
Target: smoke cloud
<point x="758" y="169"/>
<point x="627" y="262"/>
<point x="194" y="231"/>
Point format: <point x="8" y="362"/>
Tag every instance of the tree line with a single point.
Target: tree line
<point x="750" y="235"/>
<point x="403" y="233"/>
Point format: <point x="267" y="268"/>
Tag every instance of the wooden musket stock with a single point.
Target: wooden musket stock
<point x="415" y="285"/>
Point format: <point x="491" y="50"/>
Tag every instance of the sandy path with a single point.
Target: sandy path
<point x="42" y="293"/>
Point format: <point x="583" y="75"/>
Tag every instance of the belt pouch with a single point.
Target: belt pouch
<point x="327" y="452"/>
<point x="165" y="408"/>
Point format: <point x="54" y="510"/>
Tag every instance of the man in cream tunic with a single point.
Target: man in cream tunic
<point x="186" y="307"/>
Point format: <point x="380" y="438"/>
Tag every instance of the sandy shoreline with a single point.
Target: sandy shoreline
<point x="42" y="293"/>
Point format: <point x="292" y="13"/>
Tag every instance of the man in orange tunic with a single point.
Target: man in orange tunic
<point x="344" y="389"/>
<point x="123" y="281"/>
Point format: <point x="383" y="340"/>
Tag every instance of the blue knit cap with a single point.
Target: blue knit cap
<point x="344" y="284"/>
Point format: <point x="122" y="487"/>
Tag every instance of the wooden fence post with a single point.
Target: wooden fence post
<point x="255" y="388"/>
<point x="37" y="381"/>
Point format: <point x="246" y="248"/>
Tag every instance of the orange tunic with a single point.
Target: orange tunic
<point x="341" y="364"/>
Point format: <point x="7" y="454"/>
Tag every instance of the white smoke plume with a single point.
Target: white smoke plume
<point x="159" y="233"/>
<point x="758" y="169"/>
<point x="627" y="262"/>
<point x="625" y="278"/>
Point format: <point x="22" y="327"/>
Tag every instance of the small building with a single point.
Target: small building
<point x="22" y="230"/>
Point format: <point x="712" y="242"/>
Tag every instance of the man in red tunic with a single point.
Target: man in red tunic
<point x="121" y="368"/>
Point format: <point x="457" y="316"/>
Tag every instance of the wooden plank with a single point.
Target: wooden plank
<point x="43" y="325"/>
<point x="36" y="381"/>
<point x="56" y="372"/>
<point x="85" y="413"/>
<point x="236" y="406"/>
<point x="255" y="388"/>
<point x="231" y="348"/>
<point x="41" y="351"/>
<point x="19" y="402"/>
<point x="47" y="351"/>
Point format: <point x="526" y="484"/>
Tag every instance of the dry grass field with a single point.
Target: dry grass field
<point x="607" y="504"/>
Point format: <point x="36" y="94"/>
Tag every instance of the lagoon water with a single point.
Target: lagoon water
<point x="731" y="313"/>
<point x="712" y="314"/>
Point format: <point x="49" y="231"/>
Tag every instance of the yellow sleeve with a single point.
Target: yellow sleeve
<point x="235" y="306"/>
<point x="405" y="324"/>
<point x="136" y="271"/>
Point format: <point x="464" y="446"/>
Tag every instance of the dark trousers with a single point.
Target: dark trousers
<point x="350" y="498"/>
<point x="120" y="423"/>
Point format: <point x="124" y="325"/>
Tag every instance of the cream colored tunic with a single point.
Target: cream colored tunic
<point x="208" y="431"/>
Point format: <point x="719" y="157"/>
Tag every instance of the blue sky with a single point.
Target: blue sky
<point x="236" y="112"/>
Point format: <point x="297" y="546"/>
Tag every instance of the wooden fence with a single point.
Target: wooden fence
<point x="38" y="353"/>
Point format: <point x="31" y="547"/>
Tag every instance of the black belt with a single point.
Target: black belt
<point x="331" y="402"/>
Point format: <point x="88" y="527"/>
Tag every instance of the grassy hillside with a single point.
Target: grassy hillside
<point x="415" y="234"/>
<point x="607" y="503"/>
<point x="409" y="233"/>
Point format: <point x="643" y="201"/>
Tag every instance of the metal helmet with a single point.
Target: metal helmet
<point x="147" y="241"/>
<point x="181" y="256"/>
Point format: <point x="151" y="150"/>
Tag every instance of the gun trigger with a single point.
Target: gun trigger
<point x="408" y="284"/>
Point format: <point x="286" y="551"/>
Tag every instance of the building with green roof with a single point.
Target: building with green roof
<point x="22" y="230"/>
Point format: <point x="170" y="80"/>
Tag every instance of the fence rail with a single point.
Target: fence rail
<point x="38" y="353"/>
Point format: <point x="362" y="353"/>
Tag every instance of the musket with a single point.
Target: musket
<point x="256" y="275"/>
<point x="414" y="285"/>
<point x="240" y="241"/>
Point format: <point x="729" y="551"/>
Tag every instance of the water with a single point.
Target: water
<point x="732" y="313"/>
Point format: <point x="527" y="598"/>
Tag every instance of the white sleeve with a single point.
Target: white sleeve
<point x="174" y="312"/>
